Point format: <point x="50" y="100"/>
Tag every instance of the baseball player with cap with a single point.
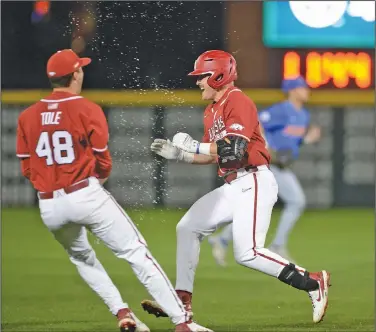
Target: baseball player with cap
<point x="286" y="129"/>
<point x="62" y="143"/>
<point x="232" y="139"/>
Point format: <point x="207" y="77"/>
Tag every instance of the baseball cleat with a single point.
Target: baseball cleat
<point x="128" y="322"/>
<point x="319" y="297"/>
<point x="153" y="308"/>
<point x="186" y="298"/>
<point x="125" y="321"/>
<point x="218" y="250"/>
<point x="140" y="326"/>
<point x="191" y="327"/>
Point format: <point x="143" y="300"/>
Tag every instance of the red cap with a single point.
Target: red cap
<point x="65" y="62"/>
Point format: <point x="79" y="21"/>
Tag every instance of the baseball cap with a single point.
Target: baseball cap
<point x="65" y="62"/>
<point x="291" y="84"/>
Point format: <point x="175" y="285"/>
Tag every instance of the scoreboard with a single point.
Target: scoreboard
<point x="330" y="69"/>
<point x="333" y="48"/>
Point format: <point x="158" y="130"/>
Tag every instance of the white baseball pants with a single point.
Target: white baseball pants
<point x="247" y="202"/>
<point x="68" y="216"/>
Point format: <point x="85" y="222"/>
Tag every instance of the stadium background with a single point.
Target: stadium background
<point x="141" y="53"/>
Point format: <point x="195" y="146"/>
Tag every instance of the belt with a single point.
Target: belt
<point x="228" y="178"/>
<point x="68" y="190"/>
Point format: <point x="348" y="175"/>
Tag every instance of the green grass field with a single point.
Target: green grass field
<point x="41" y="290"/>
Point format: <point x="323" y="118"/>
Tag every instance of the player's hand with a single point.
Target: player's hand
<point x="281" y="158"/>
<point x="313" y="135"/>
<point x="185" y="142"/>
<point x="167" y="150"/>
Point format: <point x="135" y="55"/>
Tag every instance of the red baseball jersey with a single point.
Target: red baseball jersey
<point x="61" y="140"/>
<point x="236" y="114"/>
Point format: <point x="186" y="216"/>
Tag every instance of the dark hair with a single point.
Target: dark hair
<point x="62" y="81"/>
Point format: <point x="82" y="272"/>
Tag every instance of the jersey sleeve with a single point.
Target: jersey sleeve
<point x="205" y="137"/>
<point x="240" y="117"/>
<point x="273" y="118"/>
<point x="97" y="129"/>
<point x="22" y="150"/>
<point x="97" y="132"/>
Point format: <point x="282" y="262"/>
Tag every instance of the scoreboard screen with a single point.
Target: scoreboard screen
<point x="322" y="24"/>
<point x="330" y="69"/>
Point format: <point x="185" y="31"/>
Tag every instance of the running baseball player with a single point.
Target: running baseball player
<point x="286" y="128"/>
<point x="232" y="138"/>
<point x="62" y="142"/>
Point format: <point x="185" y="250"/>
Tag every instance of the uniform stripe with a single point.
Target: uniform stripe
<point x="240" y="135"/>
<point x="256" y="253"/>
<point x="60" y="100"/>
<point x="228" y="95"/>
<point x="255" y="214"/>
<point x="181" y="306"/>
<point x="100" y="150"/>
<point x="129" y="221"/>
<point x="23" y="155"/>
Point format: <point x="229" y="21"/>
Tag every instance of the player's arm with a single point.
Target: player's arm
<point x="271" y="120"/>
<point x="201" y="159"/>
<point x="22" y="150"/>
<point x="166" y="149"/>
<point x="97" y="132"/>
<point x="313" y="135"/>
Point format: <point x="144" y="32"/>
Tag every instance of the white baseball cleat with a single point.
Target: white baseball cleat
<point x="191" y="327"/>
<point x="218" y="250"/>
<point x="319" y="297"/>
<point x="140" y="326"/>
<point x="128" y="322"/>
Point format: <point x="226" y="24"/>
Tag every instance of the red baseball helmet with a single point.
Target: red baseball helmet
<point x="219" y="64"/>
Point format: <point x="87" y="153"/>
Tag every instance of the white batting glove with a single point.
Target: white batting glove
<point x="167" y="150"/>
<point x="186" y="143"/>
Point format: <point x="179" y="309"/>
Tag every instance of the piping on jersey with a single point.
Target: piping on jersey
<point x="100" y="150"/>
<point x="60" y="100"/>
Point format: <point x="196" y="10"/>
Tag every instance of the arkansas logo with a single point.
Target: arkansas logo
<point x="237" y="126"/>
<point x="216" y="128"/>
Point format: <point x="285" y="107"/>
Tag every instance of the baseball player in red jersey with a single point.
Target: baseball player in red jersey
<point x="62" y="142"/>
<point x="233" y="140"/>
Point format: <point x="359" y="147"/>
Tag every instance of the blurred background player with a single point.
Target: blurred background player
<point x="62" y="142"/>
<point x="232" y="139"/>
<point x="286" y="127"/>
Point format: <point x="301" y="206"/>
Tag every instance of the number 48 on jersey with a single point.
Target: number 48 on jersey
<point x="61" y="152"/>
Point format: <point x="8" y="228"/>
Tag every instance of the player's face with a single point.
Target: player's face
<point x="301" y="94"/>
<point x="208" y="93"/>
<point x="79" y="78"/>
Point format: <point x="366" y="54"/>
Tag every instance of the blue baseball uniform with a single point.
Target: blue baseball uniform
<point x="285" y="126"/>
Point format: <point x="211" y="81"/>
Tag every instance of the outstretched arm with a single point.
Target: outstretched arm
<point x="167" y="150"/>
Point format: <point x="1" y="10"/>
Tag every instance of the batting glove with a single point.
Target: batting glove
<point x="167" y="150"/>
<point x="186" y="143"/>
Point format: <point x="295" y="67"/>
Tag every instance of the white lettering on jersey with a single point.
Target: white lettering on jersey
<point x="50" y="118"/>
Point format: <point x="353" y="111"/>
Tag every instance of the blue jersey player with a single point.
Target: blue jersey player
<point x="286" y="128"/>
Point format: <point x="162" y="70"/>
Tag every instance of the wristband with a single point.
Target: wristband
<point x="203" y="148"/>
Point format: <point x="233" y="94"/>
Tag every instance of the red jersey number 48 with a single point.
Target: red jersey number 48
<point x="61" y="152"/>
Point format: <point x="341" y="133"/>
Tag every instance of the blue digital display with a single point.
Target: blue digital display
<point x="320" y="24"/>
